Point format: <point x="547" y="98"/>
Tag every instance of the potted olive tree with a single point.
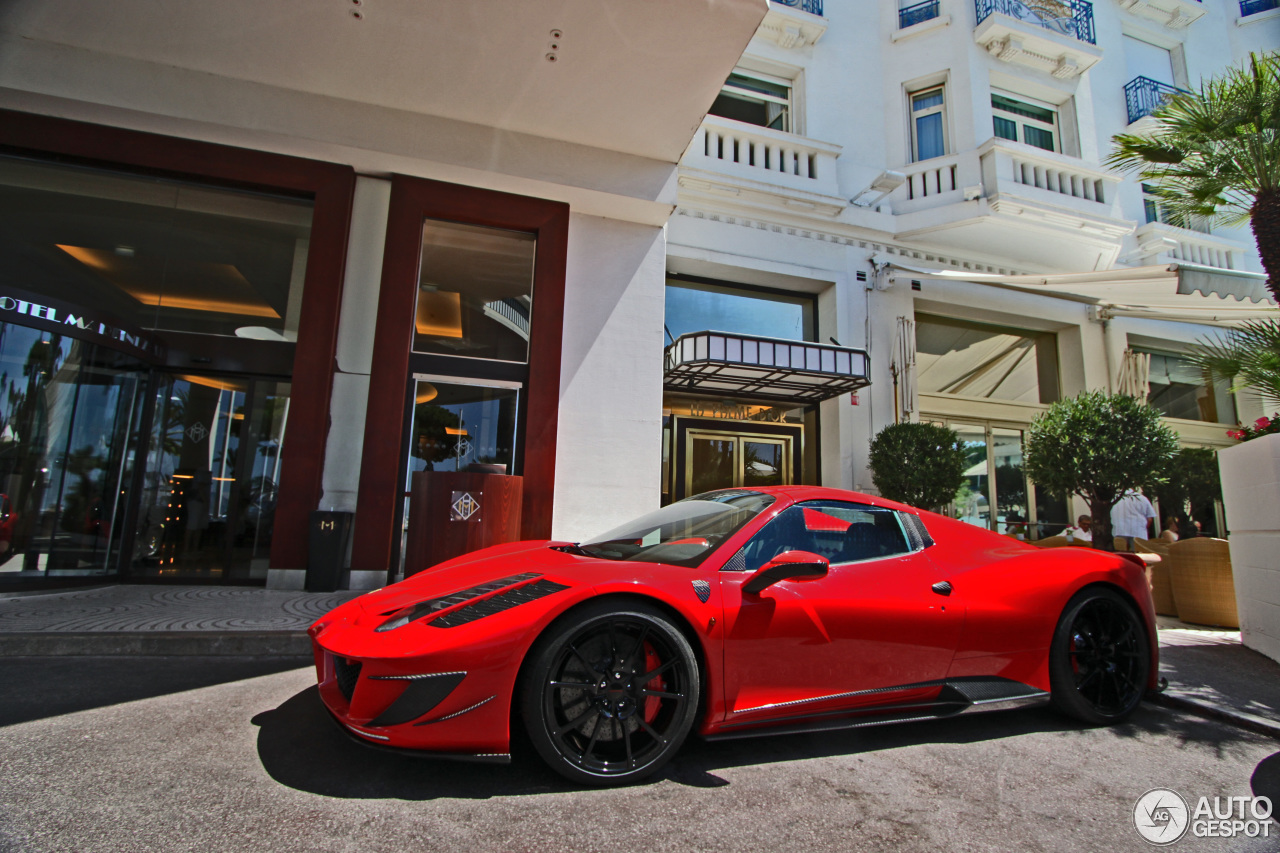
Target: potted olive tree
<point x="1098" y="446"/>
<point x="921" y="465"/>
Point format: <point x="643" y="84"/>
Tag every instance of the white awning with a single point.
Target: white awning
<point x="1182" y="292"/>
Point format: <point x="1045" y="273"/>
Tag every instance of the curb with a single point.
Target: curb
<point x="1239" y="719"/>
<point x="244" y="643"/>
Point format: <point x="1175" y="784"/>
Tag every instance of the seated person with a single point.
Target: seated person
<point x="1083" y="529"/>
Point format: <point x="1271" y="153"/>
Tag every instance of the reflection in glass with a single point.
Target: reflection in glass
<point x="475" y="292"/>
<point x="713" y="462"/>
<point x="973" y="360"/>
<point x="971" y="501"/>
<point x="1051" y="513"/>
<point x="699" y="307"/>
<point x="155" y="253"/>
<point x="463" y="428"/>
<point x="210" y="484"/>
<point x="1179" y="389"/>
<point x="66" y="411"/>
<point x="762" y="463"/>
<point x="1011" y="482"/>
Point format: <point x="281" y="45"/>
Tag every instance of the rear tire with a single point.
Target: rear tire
<point x="1100" y="659"/>
<point x="610" y="693"/>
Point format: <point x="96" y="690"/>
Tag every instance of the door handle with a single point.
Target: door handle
<point x="942" y="587"/>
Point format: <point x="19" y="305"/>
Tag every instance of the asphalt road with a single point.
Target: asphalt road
<point x="203" y="754"/>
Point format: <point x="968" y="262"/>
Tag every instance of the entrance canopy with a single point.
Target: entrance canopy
<point x="1182" y="292"/>
<point x="719" y="364"/>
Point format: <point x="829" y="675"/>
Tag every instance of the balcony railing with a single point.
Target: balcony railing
<point x="1143" y="96"/>
<point x="813" y="7"/>
<point x="765" y="152"/>
<point x="1075" y="18"/>
<point x="1253" y="7"/>
<point x="917" y="14"/>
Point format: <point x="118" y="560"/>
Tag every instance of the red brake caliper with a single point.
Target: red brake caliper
<point x="652" y="703"/>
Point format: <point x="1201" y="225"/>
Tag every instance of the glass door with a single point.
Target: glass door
<point x="724" y="458"/>
<point x="210" y="481"/>
<point x="67" y="409"/>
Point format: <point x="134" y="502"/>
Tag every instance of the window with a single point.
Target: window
<point x="694" y="306"/>
<point x="912" y="12"/>
<point x="1178" y="389"/>
<point x="994" y="476"/>
<point x="159" y="254"/>
<point x="928" y="124"/>
<point x="1022" y="121"/>
<point x="1154" y="210"/>
<point x="840" y="532"/>
<point x="989" y="362"/>
<point x="475" y="292"/>
<point x="1144" y="59"/>
<point x="755" y="98"/>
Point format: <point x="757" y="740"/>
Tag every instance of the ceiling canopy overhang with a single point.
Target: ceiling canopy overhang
<point x="1180" y="292"/>
<point x="629" y="77"/>
<point x="746" y="367"/>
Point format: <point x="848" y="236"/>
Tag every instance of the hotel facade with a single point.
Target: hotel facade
<point x="261" y="262"/>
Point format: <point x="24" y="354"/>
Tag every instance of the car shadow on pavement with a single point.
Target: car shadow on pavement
<point x="48" y="686"/>
<point x="300" y="746"/>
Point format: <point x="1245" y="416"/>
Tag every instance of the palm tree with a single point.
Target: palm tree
<point x="1247" y="356"/>
<point x="1215" y="154"/>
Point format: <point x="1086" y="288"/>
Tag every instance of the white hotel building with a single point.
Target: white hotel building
<point x="926" y="184"/>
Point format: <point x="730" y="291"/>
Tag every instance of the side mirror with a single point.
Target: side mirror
<point x="789" y="565"/>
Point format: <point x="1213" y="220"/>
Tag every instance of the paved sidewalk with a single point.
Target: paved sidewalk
<point x="162" y="620"/>
<point x="1212" y="674"/>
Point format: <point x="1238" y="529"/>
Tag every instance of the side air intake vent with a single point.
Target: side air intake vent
<point x="498" y="603"/>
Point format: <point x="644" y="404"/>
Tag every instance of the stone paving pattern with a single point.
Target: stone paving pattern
<point x="170" y="608"/>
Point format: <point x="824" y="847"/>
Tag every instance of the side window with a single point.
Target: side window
<point x="843" y="533"/>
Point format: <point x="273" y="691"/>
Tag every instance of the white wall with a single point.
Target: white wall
<point x="608" y="455"/>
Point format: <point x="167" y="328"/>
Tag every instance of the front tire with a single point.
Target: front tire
<point x="1100" y="659"/>
<point x="610" y="693"/>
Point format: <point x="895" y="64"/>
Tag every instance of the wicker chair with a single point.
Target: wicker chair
<point x="1200" y="577"/>
<point x="1161" y="590"/>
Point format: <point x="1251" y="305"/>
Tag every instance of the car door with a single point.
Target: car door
<point x="852" y="638"/>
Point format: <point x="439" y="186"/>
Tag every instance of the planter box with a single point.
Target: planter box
<point x="1251" y="498"/>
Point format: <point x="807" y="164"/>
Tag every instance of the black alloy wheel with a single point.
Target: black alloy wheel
<point x="610" y="693"/>
<point x="1100" y="659"/>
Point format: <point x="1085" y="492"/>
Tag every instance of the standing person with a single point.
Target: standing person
<point x="1131" y="517"/>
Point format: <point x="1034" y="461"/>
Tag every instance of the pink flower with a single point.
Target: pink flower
<point x="1262" y="423"/>
<point x="1235" y="433"/>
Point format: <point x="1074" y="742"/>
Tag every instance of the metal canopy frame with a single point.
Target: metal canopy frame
<point x="720" y="364"/>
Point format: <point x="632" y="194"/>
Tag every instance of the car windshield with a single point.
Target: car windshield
<point x="683" y="533"/>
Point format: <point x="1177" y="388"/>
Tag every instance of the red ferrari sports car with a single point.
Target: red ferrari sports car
<point x="733" y="613"/>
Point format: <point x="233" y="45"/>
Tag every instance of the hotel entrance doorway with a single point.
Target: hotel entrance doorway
<point x="715" y="454"/>
<point x="210" y="478"/>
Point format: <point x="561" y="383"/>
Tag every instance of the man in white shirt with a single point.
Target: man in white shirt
<point x="1083" y="531"/>
<point x="1130" y="517"/>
